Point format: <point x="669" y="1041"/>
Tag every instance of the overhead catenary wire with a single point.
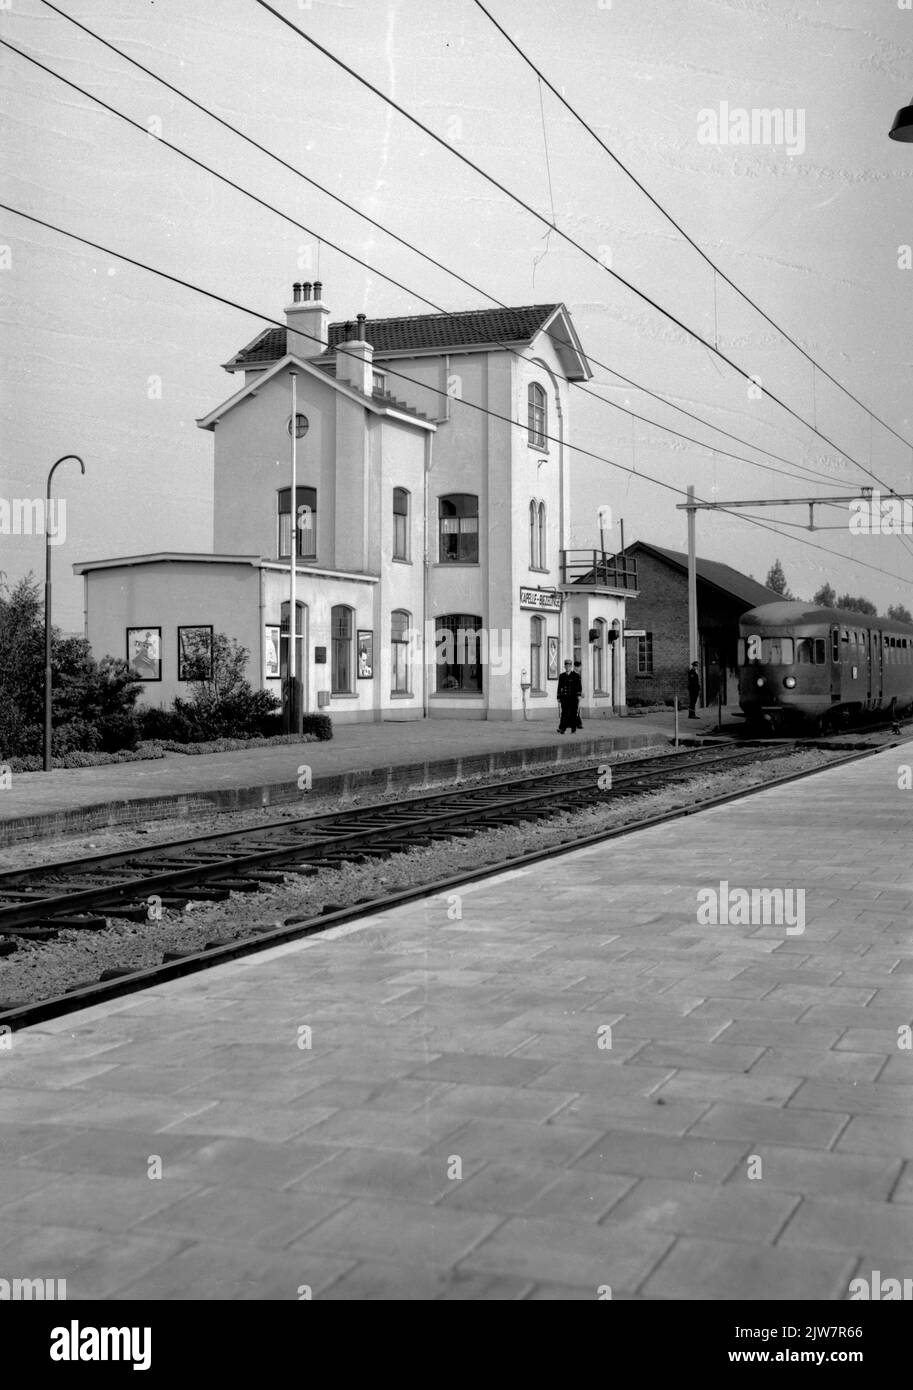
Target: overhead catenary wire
<point x="414" y="381"/>
<point x="432" y="260"/>
<point x="565" y="236"/>
<point x="660" y="207"/>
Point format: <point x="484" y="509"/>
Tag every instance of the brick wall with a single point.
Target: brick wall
<point x="662" y="609"/>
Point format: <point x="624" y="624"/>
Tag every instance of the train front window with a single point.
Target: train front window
<point x="805" y="650"/>
<point x="780" y="651"/>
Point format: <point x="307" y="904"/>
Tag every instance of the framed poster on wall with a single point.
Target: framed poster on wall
<point x="144" y="652"/>
<point x="271" y="653"/>
<point x="195" y="653"/>
<point x="365" y="655"/>
<point x="553" y="658"/>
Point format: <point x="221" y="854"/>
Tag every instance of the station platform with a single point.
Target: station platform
<point x="359" y="759"/>
<point x="558" y="1081"/>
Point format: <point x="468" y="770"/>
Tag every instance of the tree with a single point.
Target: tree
<point x="93" y="702"/>
<point x="776" y="580"/>
<point x="857" y="604"/>
<point x="825" y="597"/>
<point x="900" y="613"/>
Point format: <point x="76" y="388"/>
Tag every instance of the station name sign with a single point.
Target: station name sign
<point x="541" y="598"/>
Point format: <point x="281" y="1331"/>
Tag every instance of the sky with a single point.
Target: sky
<point x="107" y="361"/>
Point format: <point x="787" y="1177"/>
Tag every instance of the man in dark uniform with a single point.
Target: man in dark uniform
<point x="578" y="672"/>
<point x="569" y="690"/>
<point x="694" y="690"/>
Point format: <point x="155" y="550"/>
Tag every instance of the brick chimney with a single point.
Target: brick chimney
<point x="355" y="358"/>
<point x="306" y="318"/>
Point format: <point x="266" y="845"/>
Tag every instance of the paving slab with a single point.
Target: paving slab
<point x="578" y="1086"/>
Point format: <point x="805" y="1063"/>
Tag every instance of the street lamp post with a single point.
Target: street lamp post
<point x="297" y="428"/>
<point x="47" y="608"/>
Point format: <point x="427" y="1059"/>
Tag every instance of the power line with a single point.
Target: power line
<point x="402" y="376"/>
<point x="557" y="340"/>
<point x="514" y="197"/>
<point x="681" y="231"/>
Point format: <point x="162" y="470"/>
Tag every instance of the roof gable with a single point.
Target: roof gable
<point x="378" y="404"/>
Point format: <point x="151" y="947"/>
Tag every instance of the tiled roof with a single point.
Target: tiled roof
<point x="713" y="572"/>
<point x="416" y="332"/>
<point x="420" y="332"/>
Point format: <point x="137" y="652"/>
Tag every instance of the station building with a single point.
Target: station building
<point x="429" y="524"/>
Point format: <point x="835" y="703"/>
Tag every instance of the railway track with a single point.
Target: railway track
<point x="40" y="901"/>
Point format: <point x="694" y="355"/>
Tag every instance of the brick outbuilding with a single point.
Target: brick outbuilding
<point x="657" y="663"/>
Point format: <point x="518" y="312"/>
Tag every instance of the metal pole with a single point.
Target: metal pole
<point x="675" y="743"/>
<point x="48" y="678"/>
<point x="692" y="579"/>
<point x="293" y="557"/>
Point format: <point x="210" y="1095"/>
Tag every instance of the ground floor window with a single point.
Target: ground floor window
<point x="536" y="629"/>
<point x="400" y="683"/>
<point x="645" y="655"/>
<point x="457" y="653"/>
<point x="341" y="669"/>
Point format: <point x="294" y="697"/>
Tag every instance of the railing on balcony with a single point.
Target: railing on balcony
<point x="599" y="568"/>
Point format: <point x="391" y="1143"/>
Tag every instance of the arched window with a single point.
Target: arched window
<point x="543" y="547"/>
<point x="536" y="628"/>
<point x="599" y="657"/>
<point x="400" y="524"/>
<point x="306" y="522"/>
<point x="459" y="528"/>
<point x="533" y="537"/>
<point x="537" y="412"/>
<point x="577" y="640"/>
<point x="400" y="675"/>
<point x="341" y="669"/>
<point x="457" y="653"/>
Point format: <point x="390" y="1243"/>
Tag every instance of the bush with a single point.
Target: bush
<point x="93" y="701"/>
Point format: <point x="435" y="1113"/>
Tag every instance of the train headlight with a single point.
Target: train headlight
<point x="760" y="681"/>
<point x="789" y="682"/>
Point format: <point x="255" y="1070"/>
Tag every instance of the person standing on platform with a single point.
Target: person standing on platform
<point x="694" y="690"/>
<point x="568" y="698"/>
<point x="578" y="673"/>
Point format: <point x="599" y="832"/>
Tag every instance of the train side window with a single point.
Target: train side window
<point x="820" y="651"/>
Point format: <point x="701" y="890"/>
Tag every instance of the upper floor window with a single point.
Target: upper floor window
<point x="379" y="381"/>
<point x="400" y="524"/>
<point x="537" y="415"/>
<point x="306" y="522"/>
<point x="537" y="533"/>
<point x="459" y="528"/>
<point x="341" y="627"/>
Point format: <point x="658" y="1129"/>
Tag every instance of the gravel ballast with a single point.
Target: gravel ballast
<point x="39" y="971"/>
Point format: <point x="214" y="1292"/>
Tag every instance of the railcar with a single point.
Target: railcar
<point x="800" y="665"/>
